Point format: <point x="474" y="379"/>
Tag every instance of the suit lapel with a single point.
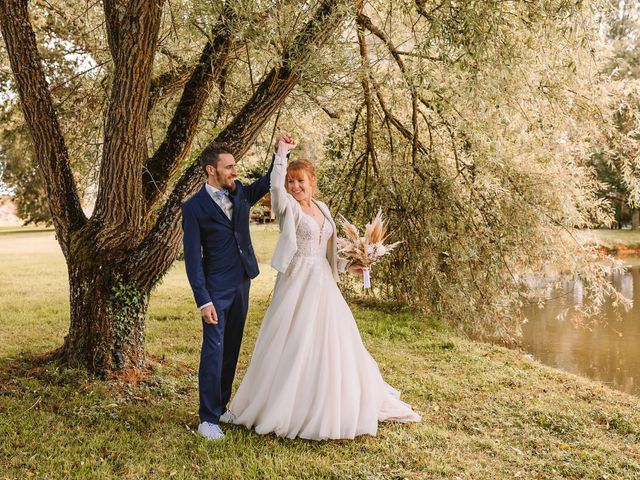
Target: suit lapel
<point x="211" y="206"/>
<point x="235" y="197"/>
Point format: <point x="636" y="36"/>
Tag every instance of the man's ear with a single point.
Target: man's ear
<point x="210" y="169"/>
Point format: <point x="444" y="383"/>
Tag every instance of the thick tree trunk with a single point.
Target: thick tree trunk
<point x="133" y="36"/>
<point x="107" y="323"/>
<point x="107" y="312"/>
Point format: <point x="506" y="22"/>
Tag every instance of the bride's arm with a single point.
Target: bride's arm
<point x="279" y="200"/>
<point x="341" y="264"/>
<point x="278" y="193"/>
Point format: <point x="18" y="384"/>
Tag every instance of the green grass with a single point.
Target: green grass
<point x="488" y="412"/>
<point x="612" y="238"/>
<point x="15" y="228"/>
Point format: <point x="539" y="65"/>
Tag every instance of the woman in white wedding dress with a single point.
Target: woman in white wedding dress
<point x="310" y="375"/>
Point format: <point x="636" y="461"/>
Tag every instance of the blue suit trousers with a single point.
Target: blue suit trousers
<point x="220" y="350"/>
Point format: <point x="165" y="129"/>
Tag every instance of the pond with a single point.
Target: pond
<point x="609" y="352"/>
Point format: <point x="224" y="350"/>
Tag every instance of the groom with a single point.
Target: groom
<point x="220" y="264"/>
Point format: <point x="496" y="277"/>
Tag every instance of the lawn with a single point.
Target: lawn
<point x="612" y="239"/>
<point x="488" y="412"/>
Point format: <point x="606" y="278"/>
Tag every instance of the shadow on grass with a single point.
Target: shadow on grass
<point x="45" y="368"/>
<point x="48" y="370"/>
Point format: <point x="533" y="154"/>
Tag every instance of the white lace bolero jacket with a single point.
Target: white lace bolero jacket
<point x="288" y="211"/>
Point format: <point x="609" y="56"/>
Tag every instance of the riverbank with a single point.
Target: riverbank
<point x="615" y="242"/>
<point x="488" y="412"/>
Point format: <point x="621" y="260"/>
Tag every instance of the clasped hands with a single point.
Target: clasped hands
<point x="284" y="144"/>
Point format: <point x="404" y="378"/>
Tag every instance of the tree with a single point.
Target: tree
<point x="116" y="256"/>
<point x="616" y="158"/>
<point x="426" y="103"/>
<point x="474" y="133"/>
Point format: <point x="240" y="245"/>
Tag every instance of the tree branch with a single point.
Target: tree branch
<point x="330" y="113"/>
<point x="51" y="151"/>
<point x="161" y="244"/>
<point x="114" y="12"/>
<point x="167" y="83"/>
<point x="416" y="146"/>
<point x="119" y="205"/>
<point x="161" y="167"/>
<point x="366" y="90"/>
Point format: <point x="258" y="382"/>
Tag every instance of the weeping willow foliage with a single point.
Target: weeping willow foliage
<point x="472" y="133"/>
<point x="470" y="123"/>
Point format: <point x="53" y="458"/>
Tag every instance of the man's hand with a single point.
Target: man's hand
<point x="209" y="315"/>
<point x="284" y="143"/>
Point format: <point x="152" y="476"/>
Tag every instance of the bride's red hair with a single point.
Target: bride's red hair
<point x="298" y="168"/>
<point x="301" y="165"/>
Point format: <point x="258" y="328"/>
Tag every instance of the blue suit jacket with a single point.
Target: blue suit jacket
<point x="218" y="253"/>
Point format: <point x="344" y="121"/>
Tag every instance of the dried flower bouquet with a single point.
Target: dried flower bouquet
<point x="366" y="250"/>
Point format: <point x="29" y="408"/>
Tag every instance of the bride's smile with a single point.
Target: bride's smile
<point x="300" y="186"/>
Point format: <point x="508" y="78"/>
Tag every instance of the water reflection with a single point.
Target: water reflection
<point x="609" y="352"/>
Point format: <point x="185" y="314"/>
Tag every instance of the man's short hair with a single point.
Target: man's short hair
<point x="211" y="154"/>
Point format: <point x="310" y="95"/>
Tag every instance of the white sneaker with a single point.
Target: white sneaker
<point x="210" y="431"/>
<point x="227" y="417"/>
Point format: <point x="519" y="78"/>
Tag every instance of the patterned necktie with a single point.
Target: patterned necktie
<point x="225" y="205"/>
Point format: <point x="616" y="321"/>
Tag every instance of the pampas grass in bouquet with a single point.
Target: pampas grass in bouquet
<point x="367" y="250"/>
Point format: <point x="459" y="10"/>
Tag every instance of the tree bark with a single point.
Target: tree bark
<point x="119" y="210"/>
<point x="108" y="308"/>
<point x="106" y="331"/>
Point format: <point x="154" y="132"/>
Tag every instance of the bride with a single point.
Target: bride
<point x="310" y="375"/>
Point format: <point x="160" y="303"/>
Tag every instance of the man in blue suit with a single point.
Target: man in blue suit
<point x="220" y="264"/>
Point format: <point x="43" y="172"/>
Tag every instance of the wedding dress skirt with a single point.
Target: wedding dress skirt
<point x="310" y="375"/>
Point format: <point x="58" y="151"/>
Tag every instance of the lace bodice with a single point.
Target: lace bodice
<point x="312" y="244"/>
<point x="311" y="238"/>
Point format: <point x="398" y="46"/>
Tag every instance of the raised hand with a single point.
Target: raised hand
<point x="285" y="143"/>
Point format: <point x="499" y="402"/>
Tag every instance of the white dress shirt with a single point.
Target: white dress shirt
<point x="223" y="201"/>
